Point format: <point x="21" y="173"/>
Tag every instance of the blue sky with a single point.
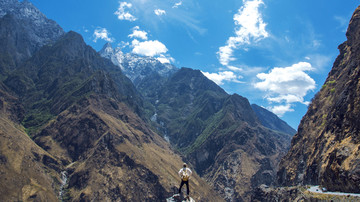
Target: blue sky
<point x="277" y="53"/>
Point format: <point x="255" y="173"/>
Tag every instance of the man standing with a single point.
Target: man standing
<point x="185" y="174"/>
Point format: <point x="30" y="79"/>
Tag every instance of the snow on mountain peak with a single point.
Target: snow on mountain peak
<point x="135" y="66"/>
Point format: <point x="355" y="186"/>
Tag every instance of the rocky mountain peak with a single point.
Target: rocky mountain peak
<point x="136" y="67"/>
<point x="41" y="29"/>
<point x="353" y="32"/>
<point x="107" y="50"/>
<point x="73" y="43"/>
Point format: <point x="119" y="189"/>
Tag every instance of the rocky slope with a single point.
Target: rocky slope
<point x="326" y="149"/>
<point x="27" y="172"/>
<point x="270" y="120"/>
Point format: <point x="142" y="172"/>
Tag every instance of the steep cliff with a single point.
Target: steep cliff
<point x="326" y="149"/>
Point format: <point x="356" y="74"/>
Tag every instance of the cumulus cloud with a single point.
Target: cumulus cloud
<point x="249" y="27"/>
<point x="176" y="5"/>
<point x="102" y="33"/>
<point x="287" y="85"/>
<point x="122" y="14"/>
<point x="137" y="33"/>
<point x="159" y="12"/>
<point x="220" y="77"/>
<point x="280" y="110"/>
<point x="148" y="48"/>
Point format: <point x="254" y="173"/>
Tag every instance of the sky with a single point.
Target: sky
<point x="276" y="53"/>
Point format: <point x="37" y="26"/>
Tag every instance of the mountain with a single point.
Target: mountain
<point x="185" y="102"/>
<point x="219" y="134"/>
<point x="325" y="151"/>
<point x="24" y="29"/>
<point x="270" y="120"/>
<point x="72" y="123"/>
<point x="78" y="108"/>
<point x="147" y="73"/>
<point x="136" y="67"/>
<point x="235" y="153"/>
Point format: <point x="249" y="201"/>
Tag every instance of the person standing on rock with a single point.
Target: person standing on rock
<point x="185" y="174"/>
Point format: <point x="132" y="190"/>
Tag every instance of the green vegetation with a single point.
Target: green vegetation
<point x="32" y="122"/>
<point x="329" y="83"/>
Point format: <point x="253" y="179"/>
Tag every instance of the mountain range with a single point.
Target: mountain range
<point x="113" y="126"/>
<point x="213" y="129"/>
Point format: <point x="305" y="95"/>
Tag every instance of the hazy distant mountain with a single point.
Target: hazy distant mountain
<point x="270" y="120"/>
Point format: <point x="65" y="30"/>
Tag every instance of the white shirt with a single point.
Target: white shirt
<point x="185" y="171"/>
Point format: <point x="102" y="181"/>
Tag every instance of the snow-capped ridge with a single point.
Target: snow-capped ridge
<point x="134" y="66"/>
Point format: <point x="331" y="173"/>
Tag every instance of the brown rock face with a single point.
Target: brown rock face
<point x="326" y="149"/>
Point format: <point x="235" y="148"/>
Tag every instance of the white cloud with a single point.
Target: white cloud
<point x="280" y="110"/>
<point x="287" y="84"/>
<point x="176" y="5"/>
<point x="148" y="48"/>
<point x="165" y="59"/>
<point x="102" y="33"/>
<point x="137" y="33"/>
<point x="123" y="44"/>
<point x="250" y="27"/>
<point x="233" y="68"/>
<point x="122" y="14"/>
<point x="159" y="12"/>
<point x="220" y="77"/>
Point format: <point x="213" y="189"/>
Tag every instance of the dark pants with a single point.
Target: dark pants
<point x="187" y="186"/>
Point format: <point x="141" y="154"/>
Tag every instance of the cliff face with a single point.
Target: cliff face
<point x="326" y="149"/>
